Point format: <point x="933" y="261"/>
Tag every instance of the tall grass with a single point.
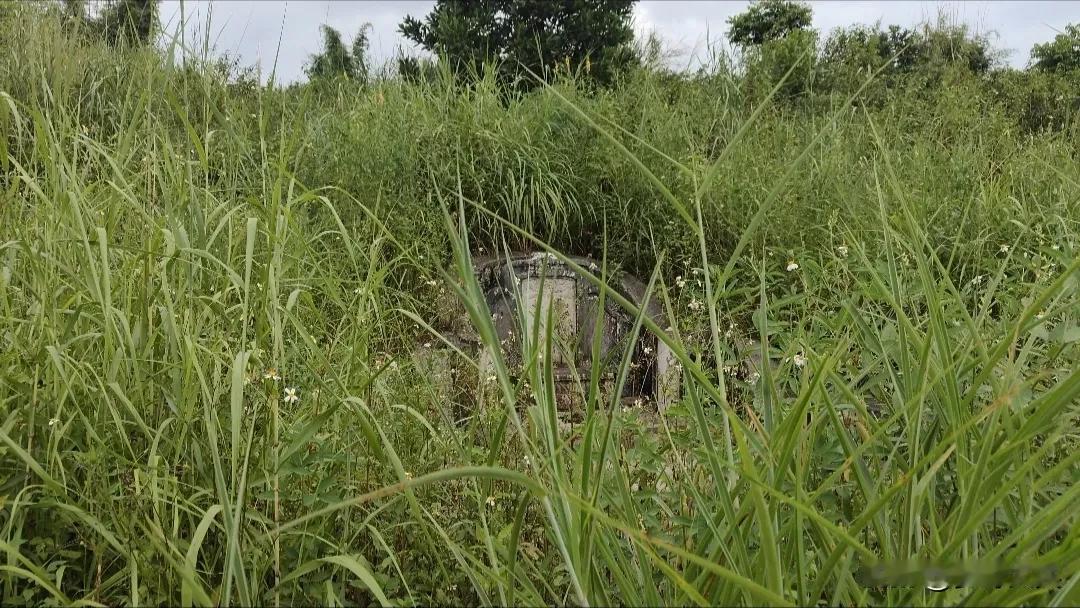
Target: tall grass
<point x="176" y="252"/>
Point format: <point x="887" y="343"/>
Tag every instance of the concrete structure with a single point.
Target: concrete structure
<point x="525" y="290"/>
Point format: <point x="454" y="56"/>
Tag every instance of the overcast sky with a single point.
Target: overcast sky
<point x="252" y="30"/>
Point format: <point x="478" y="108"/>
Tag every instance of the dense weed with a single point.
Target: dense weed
<point x="178" y="250"/>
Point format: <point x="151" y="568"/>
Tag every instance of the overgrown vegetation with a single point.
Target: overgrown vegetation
<point x="213" y="293"/>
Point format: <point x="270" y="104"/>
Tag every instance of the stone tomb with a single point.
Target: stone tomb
<point x="523" y="290"/>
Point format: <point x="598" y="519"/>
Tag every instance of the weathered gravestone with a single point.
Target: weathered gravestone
<point x="526" y="289"/>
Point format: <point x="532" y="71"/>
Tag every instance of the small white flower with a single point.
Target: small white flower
<point x="792" y="266"/>
<point x="490" y="502"/>
<point x="54" y="421"/>
<point x="491" y="378"/>
<point x="648" y="350"/>
<point x="593" y="267"/>
<point x="1004" y="249"/>
<point x="842" y="250"/>
<point x="431" y="283"/>
<point x="408" y="474"/>
<point x="526" y="460"/>
<point x="427" y="344"/>
<point x="799" y="360"/>
<point x="1055" y="247"/>
<point x="272" y="374"/>
<point x="680" y="282"/>
<point x="695" y="304"/>
<point x="291" y="395"/>
<point x="977" y="280"/>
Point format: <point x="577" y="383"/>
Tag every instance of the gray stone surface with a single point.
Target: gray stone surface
<point x="525" y="285"/>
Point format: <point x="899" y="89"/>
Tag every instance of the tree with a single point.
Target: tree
<point x="768" y="20"/>
<point x="920" y="58"/>
<point x="130" y="21"/>
<point x="338" y="61"/>
<point x="528" y="36"/>
<point x="1060" y="55"/>
<point x="864" y="48"/>
<point x="777" y="39"/>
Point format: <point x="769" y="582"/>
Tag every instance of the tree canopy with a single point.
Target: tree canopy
<point x="526" y="37"/>
<point x="768" y="20"/>
<point x="339" y="61"/>
<point x="1061" y="54"/>
<point x="131" y="22"/>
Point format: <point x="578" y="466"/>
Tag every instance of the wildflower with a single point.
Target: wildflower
<point x="491" y="379"/>
<point x="593" y="267"/>
<point x="1004" y="249"/>
<point x="799" y="360"/>
<point x="490" y="502"/>
<point x="408" y="474"/>
<point x="431" y="283"/>
<point x="1055" y="247"/>
<point x="291" y="395"/>
<point x="792" y="266"/>
<point x="842" y="250"/>
<point x="977" y="280"/>
<point x="54" y="421"/>
<point x="427" y="344"/>
<point x="680" y="282"/>
<point x="695" y="304"/>
<point x="272" y="374"/>
<point x="526" y="460"/>
<point x="647" y="350"/>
